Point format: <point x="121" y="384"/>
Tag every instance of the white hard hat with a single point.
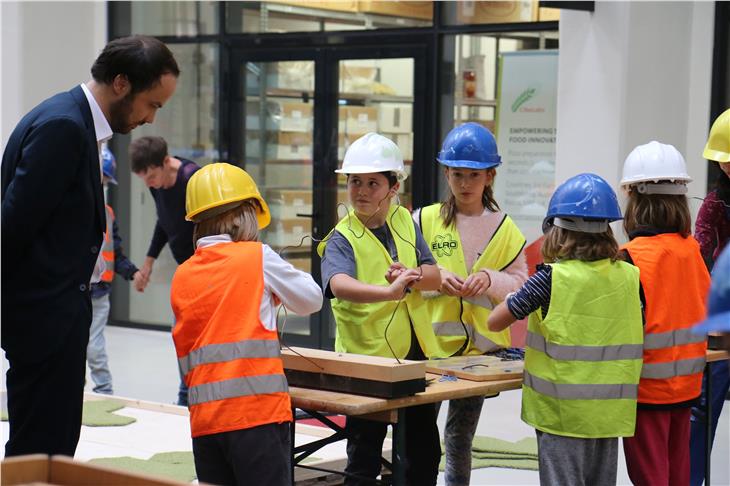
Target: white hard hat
<point x="655" y="162"/>
<point x="373" y="153"/>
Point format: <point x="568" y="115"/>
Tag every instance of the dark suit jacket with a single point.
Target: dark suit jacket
<point x="52" y="224"/>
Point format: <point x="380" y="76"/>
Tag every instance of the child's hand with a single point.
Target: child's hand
<point x="476" y="284"/>
<point x="276" y="299"/>
<point x="451" y="284"/>
<point x="404" y="280"/>
<point x="395" y="269"/>
<point x="139" y="281"/>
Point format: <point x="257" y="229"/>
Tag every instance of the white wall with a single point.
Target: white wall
<point x="629" y="73"/>
<point x="45" y="47"/>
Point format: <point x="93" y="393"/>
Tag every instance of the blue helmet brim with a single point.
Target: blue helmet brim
<point x="469" y="164"/>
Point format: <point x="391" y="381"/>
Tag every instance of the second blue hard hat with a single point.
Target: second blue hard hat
<point x="108" y="164"/>
<point x="469" y="146"/>
<point x="586" y="196"/>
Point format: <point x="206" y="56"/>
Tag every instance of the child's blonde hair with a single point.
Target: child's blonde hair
<point x="448" y="207"/>
<point x="665" y="212"/>
<point x="563" y="244"/>
<point x="239" y="222"/>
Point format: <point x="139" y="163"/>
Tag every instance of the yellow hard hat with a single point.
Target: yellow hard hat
<point x="718" y="143"/>
<point x="220" y="184"/>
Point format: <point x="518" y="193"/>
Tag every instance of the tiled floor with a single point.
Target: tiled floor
<point x="143" y="366"/>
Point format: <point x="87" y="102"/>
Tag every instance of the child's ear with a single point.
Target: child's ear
<point x="394" y="189"/>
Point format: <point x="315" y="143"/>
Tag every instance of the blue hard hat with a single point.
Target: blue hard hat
<point x="585" y="196"/>
<point x="469" y="146"/>
<point x="718" y="305"/>
<point x="108" y="164"/>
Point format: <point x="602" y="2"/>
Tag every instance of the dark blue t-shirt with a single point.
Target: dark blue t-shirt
<point x="171" y="227"/>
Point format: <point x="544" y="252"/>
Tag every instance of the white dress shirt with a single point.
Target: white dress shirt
<point x="103" y="134"/>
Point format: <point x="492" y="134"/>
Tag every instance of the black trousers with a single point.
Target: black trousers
<point x="46" y="397"/>
<point x="423" y="447"/>
<point x="260" y="456"/>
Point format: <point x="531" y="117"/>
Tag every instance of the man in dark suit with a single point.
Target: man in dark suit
<point x="52" y="223"/>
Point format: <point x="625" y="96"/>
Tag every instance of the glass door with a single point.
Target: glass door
<point x="273" y="141"/>
<point x="292" y="118"/>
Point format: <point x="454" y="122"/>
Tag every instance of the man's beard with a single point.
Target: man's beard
<point x="119" y="112"/>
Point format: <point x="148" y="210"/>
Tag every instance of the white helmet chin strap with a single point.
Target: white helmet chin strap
<point x="676" y="188"/>
<point x="582" y="225"/>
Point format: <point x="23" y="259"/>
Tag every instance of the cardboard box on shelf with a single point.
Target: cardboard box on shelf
<point x="496" y="12"/>
<point x="289" y="116"/>
<point x="289" y="232"/>
<point x="358" y="119"/>
<point x="286" y="174"/>
<point x="415" y="9"/>
<point x="287" y="203"/>
<point x="358" y="79"/>
<point x="350" y="6"/>
<point x="289" y="146"/>
<point x="296" y="75"/>
<point x="395" y="118"/>
<point x="546" y="14"/>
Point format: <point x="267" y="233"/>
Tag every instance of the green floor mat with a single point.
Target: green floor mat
<point x="526" y="446"/>
<point x="98" y="413"/>
<point x="171" y="465"/>
<point x="493" y="452"/>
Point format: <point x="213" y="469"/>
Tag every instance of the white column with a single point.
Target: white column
<point x="632" y="72"/>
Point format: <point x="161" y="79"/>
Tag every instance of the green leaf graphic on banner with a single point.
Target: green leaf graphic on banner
<point x="522" y="98"/>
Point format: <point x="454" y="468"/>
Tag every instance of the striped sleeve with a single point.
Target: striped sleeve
<point x="533" y="295"/>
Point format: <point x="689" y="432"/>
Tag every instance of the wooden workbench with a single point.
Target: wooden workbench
<point x="436" y="391"/>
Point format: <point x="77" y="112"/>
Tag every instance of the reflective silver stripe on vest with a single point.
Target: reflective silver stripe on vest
<point x="584" y="353"/>
<point x="671" y="369"/>
<point x="672" y="338"/>
<point x="237" y="387"/>
<point x="481" y="342"/>
<point x="219" y="353"/>
<point x="480" y="301"/>
<point x="564" y="391"/>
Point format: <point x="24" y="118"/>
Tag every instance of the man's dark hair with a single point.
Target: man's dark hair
<point x="147" y="152"/>
<point x="140" y="58"/>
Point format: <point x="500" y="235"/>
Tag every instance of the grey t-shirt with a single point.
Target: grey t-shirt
<point x="339" y="256"/>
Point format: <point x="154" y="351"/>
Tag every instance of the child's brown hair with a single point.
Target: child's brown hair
<point x="239" y="222"/>
<point x="563" y="244"/>
<point x="665" y="212"/>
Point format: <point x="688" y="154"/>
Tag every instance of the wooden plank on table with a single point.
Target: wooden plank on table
<point x="436" y="391"/>
<point x="477" y="368"/>
<point x="352" y="365"/>
<point x="359" y="386"/>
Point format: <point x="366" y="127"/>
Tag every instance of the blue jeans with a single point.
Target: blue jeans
<point x="182" y="391"/>
<point x="720" y="376"/>
<point x="96" y="355"/>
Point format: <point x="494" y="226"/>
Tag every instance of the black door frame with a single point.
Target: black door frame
<point x="325" y="137"/>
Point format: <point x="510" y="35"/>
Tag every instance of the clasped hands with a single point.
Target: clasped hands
<point x="475" y="284"/>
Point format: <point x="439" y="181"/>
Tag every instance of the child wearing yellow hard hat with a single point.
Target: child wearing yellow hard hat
<point x="224" y="299"/>
<point x="374" y="265"/>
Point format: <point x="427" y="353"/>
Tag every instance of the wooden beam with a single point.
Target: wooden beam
<point x="374" y="368"/>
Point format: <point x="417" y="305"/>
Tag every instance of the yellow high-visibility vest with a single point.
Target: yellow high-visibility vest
<point x="361" y="328"/>
<point x="583" y="361"/>
<point x="451" y="315"/>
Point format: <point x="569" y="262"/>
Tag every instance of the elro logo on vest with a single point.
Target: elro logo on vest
<point x="444" y="245"/>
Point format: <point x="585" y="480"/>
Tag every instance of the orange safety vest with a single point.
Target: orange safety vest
<point x="229" y="360"/>
<point x="675" y="282"/>
<point x="107" y="247"/>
